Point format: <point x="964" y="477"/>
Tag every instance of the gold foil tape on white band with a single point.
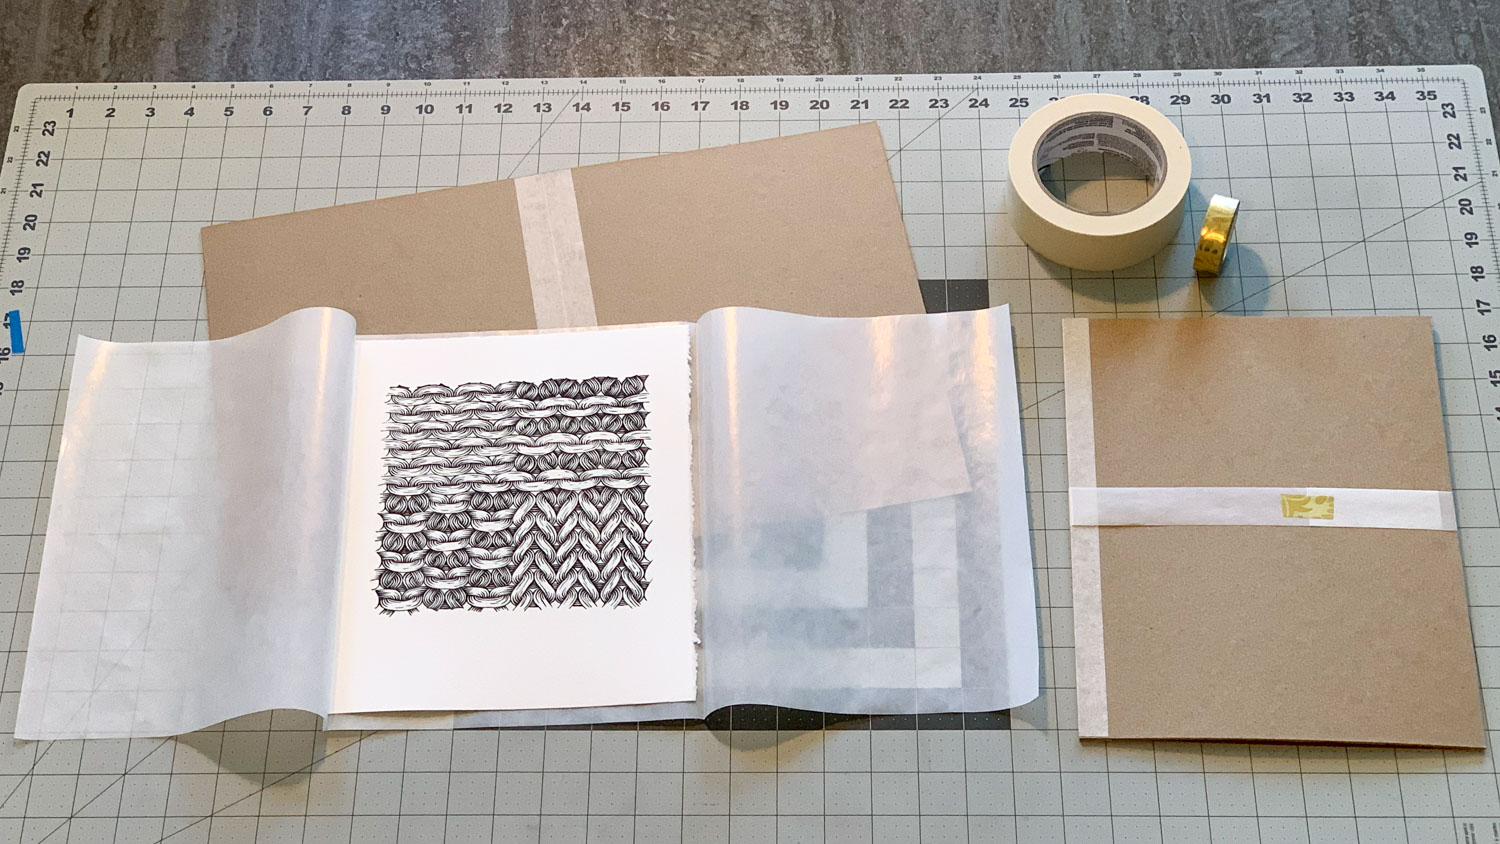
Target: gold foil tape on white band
<point x="560" y="290"/>
<point x="1400" y="509"/>
<point x="1098" y="123"/>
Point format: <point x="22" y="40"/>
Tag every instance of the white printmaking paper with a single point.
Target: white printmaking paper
<point x="396" y="652"/>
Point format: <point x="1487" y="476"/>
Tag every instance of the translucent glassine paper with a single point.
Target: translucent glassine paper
<point x="863" y="539"/>
<point x="812" y="417"/>
<point x="187" y="575"/>
<point x="920" y="605"/>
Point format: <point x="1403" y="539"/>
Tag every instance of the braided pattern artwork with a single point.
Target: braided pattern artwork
<point x="515" y="495"/>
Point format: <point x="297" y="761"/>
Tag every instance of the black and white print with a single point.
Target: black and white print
<point x="515" y="495"/>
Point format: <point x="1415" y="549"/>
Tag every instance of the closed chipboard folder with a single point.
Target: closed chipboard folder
<point x="1264" y="542"/>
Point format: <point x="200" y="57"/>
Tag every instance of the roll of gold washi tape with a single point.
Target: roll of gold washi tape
<point x="1213" y="238"/>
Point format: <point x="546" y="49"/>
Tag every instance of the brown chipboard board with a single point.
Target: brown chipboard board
<point x="1273" y="633"/>
<point x="807" y="223"/>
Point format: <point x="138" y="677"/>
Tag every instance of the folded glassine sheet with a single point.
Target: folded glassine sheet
<point x="528" y="528"/>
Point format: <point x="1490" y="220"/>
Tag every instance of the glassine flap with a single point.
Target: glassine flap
<point x="192" y="546"/>
<point x="865" y="537"/>
<point x="862" y="404"/>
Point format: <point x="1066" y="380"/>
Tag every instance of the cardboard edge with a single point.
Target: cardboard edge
<point x="1480" y="740"/>
<point x="1466" y="746"/>
<point x="893" y="198"/>
<point x="1088" y="603"/>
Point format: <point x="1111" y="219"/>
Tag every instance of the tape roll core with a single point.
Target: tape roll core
<point x="1098" y="123"/>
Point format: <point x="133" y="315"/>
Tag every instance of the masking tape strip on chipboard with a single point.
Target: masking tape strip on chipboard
<point x="1088" y="604"/>
<point x="561" y="291"/>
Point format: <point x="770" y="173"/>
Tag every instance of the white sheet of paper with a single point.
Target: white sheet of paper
<point x="522" y="658"/>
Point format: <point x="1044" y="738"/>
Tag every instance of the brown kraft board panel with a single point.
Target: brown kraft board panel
<point x="808" y="223"/>
<point x="1270" y="633"/>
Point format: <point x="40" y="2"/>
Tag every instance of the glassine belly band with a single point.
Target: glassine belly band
<point x="1402" y="509"/>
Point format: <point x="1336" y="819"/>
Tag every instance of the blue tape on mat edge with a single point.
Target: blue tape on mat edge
<point x="17" y="345"/>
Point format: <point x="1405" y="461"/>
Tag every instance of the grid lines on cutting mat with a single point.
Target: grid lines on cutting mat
<point x="1351" y="207"/>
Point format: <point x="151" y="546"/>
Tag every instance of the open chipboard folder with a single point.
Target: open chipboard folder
<point x="586" y="525"/>
<point x="807" y="223"/>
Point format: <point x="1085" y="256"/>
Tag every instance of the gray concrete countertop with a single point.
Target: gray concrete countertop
<point x="183" y="40"/>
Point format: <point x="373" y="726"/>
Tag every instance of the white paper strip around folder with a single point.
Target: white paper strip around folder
<point x="1402" y="509"/>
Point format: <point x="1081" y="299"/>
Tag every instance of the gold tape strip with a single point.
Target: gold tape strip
<point x="1213" y="238"/>
<point x="1294" y="506"/>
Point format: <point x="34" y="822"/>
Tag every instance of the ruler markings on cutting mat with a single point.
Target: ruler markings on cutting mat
<point x="1396" y="219"/>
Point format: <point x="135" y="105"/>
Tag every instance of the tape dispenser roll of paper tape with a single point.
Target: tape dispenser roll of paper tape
<point x="1098" y="123"/>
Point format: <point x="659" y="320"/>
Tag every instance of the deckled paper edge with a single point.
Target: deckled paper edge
<point x="1017" y="561"/>
<point x="1088" y="604"/>
<point x="561" y="292"/>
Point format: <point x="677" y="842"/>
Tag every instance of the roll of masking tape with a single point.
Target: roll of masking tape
<point x="1098" y="123"/>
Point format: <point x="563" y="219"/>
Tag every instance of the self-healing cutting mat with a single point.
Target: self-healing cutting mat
<point x="1365" y="190"/>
